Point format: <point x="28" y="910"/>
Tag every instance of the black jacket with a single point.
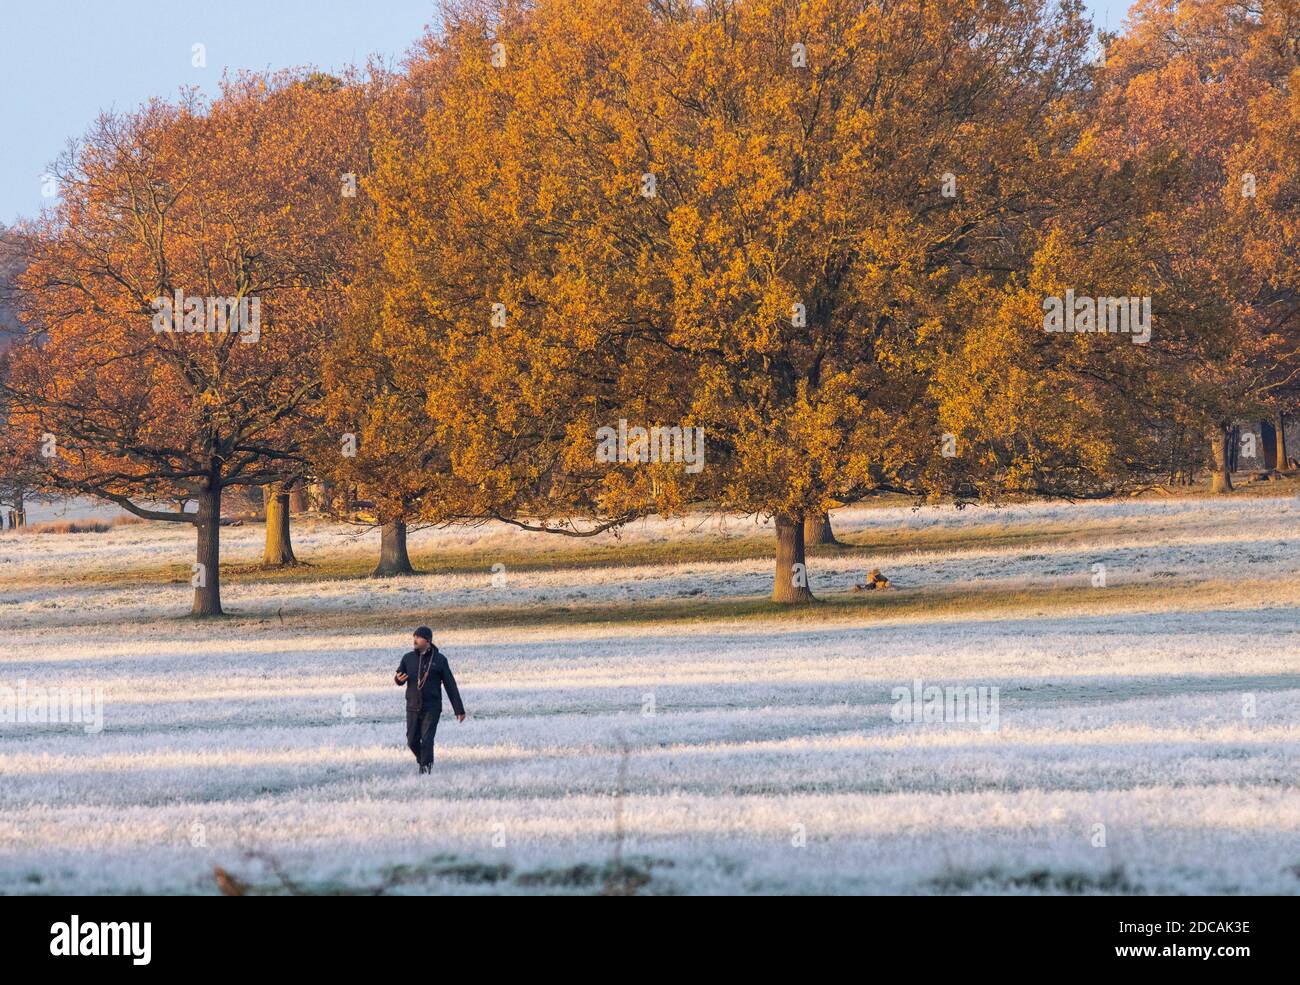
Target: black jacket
<point x="439" y="676"/>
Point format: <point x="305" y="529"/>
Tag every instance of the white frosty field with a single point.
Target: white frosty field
<point x="721" y="753"/>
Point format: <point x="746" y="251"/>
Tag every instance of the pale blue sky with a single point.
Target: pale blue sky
<point x="63" y="61"/>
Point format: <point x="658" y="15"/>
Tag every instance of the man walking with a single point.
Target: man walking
<point x="425" y="673"/>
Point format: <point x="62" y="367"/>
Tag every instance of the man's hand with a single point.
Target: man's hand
<point x="460" y="717"/>
<point x="401" y="677"/>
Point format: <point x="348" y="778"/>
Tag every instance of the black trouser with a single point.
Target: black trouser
<point x="421" y="726"/>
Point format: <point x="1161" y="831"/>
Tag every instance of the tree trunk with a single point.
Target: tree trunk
<point x="1220" y="456"/>
<point x="1267" y="453"/>
<point x="817" y="530"/>
<point x="279" y="546"/>
<point x="791" y="582"/>
<point x="20" y="508"/>
<point x="297" y="498"/>
<point x="320" y="496"/>
<point x="207" y="577"/>
<point x="1282" y="464"/>
<point x="393" y="559"/>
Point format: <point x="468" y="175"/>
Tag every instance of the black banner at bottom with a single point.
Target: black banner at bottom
<point x="143" y="935"/>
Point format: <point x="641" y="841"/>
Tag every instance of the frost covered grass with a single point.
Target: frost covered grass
<point x="157" y="552"/>
<point x="656" y="726"/>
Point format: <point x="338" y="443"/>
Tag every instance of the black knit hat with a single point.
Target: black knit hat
<point x="425" y="632"/>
